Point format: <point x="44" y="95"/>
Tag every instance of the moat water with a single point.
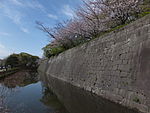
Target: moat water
<point x="27" y="94"/>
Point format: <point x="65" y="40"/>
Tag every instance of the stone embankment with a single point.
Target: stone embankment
<point x="115" y="66"/>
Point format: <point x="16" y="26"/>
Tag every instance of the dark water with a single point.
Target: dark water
<point x="77" y="100"/>
<point x="29" y="96"/>
<point x="26" y="94"/>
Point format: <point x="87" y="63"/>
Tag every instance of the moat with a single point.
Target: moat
<point x="24" y="93"/>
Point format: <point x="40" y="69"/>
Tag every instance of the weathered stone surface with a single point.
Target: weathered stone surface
<point x="115" y="66"/>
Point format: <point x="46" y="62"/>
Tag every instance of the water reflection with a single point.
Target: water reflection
<point x="3" y="94"/>
<point x="77" y="100"/>
<point x="50" y="99"/>
<point x="20" y="79"/>
<point x="25" y="94"/>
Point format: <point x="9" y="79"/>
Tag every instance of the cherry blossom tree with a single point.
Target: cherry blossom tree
<point x="92" y="19"/>
<point x="119" y="11"/>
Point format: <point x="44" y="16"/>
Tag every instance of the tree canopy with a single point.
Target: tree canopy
<point x="23" y="60"/>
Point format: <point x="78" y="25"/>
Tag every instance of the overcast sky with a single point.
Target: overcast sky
<point x="18" y="32"/>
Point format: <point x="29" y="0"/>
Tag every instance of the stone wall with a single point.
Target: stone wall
<point x="115" y="66"/>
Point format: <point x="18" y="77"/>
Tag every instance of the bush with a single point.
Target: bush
<point x="52" y="51"/>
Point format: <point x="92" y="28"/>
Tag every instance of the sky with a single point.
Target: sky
<point x="18" y="30"/>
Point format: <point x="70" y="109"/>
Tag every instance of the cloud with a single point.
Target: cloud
<point x="2" y="46"/>
<point x="3" y="51"/>
<point x="15" y="16"/>
<point x="10" y="12"/>
<point x="68" y="11"/>
<point x="1" y="4"/>
<point x="25" y="30"/>
<point x="28" y="4"/>
<point x="52" y="16"/>
<point x="16" y="2"/>
<point x="13" y="9"/>
<point x="34" y="5"/>
<point x="4" y="34"/>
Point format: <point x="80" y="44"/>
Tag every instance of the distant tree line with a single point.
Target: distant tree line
<point x="22" y="60"/>
<point x="92" y="19"/>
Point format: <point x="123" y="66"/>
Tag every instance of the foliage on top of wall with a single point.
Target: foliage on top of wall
<point x="92" y="20"/>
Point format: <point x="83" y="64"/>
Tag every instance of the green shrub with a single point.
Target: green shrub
<point x="52" y="51"/>
<point x="56" y="50"/>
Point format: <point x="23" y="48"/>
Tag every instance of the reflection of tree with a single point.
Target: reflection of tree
<point x="3" y="94"/>
<point x="50" y="99"/>
<point x="10" y="83"/>
<point x="21" y="79"/>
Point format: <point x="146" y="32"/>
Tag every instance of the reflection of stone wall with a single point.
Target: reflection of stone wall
<point x="77" y="100"/>
<point x="115" y="66"/>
